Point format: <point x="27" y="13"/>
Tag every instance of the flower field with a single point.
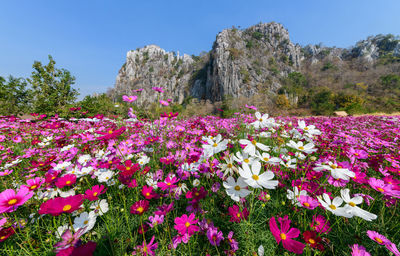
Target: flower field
<point x="249" y="185"/>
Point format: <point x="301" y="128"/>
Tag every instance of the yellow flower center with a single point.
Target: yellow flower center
<point x="266" y="159"/>
<point x="378" y="240"/>
<point x="255" y="177"/>
<point x="86" y="222"/>
<point x="283" y="236"/>
<point x="33" y="187"/>
<point x="12" y="201"/>
<point x="381" y="189"/>
<point x="312" y="241"/>
<point x="187" y="224"/>
<point x="352" y="204"/>
<point x="301" y="148"/>
<point x="237" y="187"/>
<point x="306" y="128"/>
<point x="238" y="215"/>
<point x="147" y="194"/>
<point x="68" y="182"/>
<point x="128" y="168"/>
<point x="246" y="161"/>
<point x="306" y="204"/>
<point x="168" y="183"/>
<point x="67" y="207"/>
<point x="260" y="120"/>
<point x="140" y="209"/>
<point x="95" y="194"/>
<point x="229" y="165"/>
<point x="254" y="142"/>
<point x="332" y="207"/>
<point x="3" y="237"/>
<point x="215" y="145"/>
<point x="110" y="132"/>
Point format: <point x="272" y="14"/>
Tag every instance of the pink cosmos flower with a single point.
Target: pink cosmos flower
<point x="237" y="215"/>
<point x="358" y="250"/>
<point x="147" y="249"/>
<point x="34" y="184"/>
<point x="308" y="202"/>
<point x="158" y="89"/>
<point x="148" y="192"/>
<point x="393" y="248"/>
<point x="140" y="207"/>
<point x="180" y="239"/>
<point x="129" y="99"/>
<point x="232" y="242"/>
<point x="156" y="220"/>
<point x="111" y="134"/>
<point x="320" y="224"/>
<point x="186" y="224"/>
<point x="9" y="200"/>
<point x="250" y="107"/>
<point x="214" y="236"/>
<point x="168" y="183"/>
<point x="6" y="172"/>
<point x="93" y="193"/>
<point x="66" y="181"/>
<point x="69" y="240"/>
<point x="2" y="222"/>
<point x="380" y="239"/>
<point x="164" y="103"/>
<point x="61" y="205"/>
<point x="285" y="234"/>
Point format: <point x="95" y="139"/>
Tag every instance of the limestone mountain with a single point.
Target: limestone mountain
<point x="242" y="63"/>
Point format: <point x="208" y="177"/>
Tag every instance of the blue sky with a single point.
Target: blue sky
<point x="90" y="38"/>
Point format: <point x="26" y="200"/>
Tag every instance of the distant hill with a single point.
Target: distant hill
<point x="260" y="65"/>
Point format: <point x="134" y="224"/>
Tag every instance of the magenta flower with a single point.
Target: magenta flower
<point x="164" y="103"/>
<point x="155" y="220"/>
<point x="66" y="181"/>
<point x="140" y="207"/>
<point x="358" y="250"/>
<point x="34" y="184"/>
<point x="320" y="224"/>
<point x="380" y="239"/>
<point x="285" y="234"/>
<point x="180" y="239"/>
<point x="232" y="242"/>
<point x="69" y="240"/>
<point x="9" y="200"/>
<point x="93" y="193"/>
<point x="214" y="236"/>
<point x="186" y="224"/>
<point x="237" y="215"/>
<point x="158" y="89"/>
<point x="168" y="183"/>
<point x="129" y="99"/>
<point x="308" y="202"/>
<point x="61" y="205"/>
<point x="146" y="249"/>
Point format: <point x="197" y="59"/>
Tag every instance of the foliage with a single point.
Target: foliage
<point x="52" y="87"/>
<point x="14" y="96"/>
<point x="322" y="102"/>
<point x="282" y="101"/>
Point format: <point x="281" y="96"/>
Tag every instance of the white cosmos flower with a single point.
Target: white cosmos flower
<point x="253" y="178"/>
<point x="251" y="146"/>
<point x="352" y="208"/>
<point x="83" y="159"/>
<point x="144" y="160"/>
<point x="334" y="205"/>
<point x="243" y="157"/>
<point x="196" y="182"/>
<point x="215" y="146"/>
<point x="228" y="167"/>
<point x="68" y="193"/>
<point x="62" y="166"/>
<point x="288" y="162"/>
<point x="100" y="207"/>
<point x="236" y="189"/>
<point x="295" y="195"/>
<point x="261" y="120"/>
<point x="308" y="148"/>
<point x="105" y="176"/>
<point x="66" y="148"/>
<point x="85" y="220"/>
<point x="265" y="157"/>
<point x="308" y="129"/>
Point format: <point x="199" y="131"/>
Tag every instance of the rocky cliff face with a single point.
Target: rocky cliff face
<point x="242" y="63"/>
